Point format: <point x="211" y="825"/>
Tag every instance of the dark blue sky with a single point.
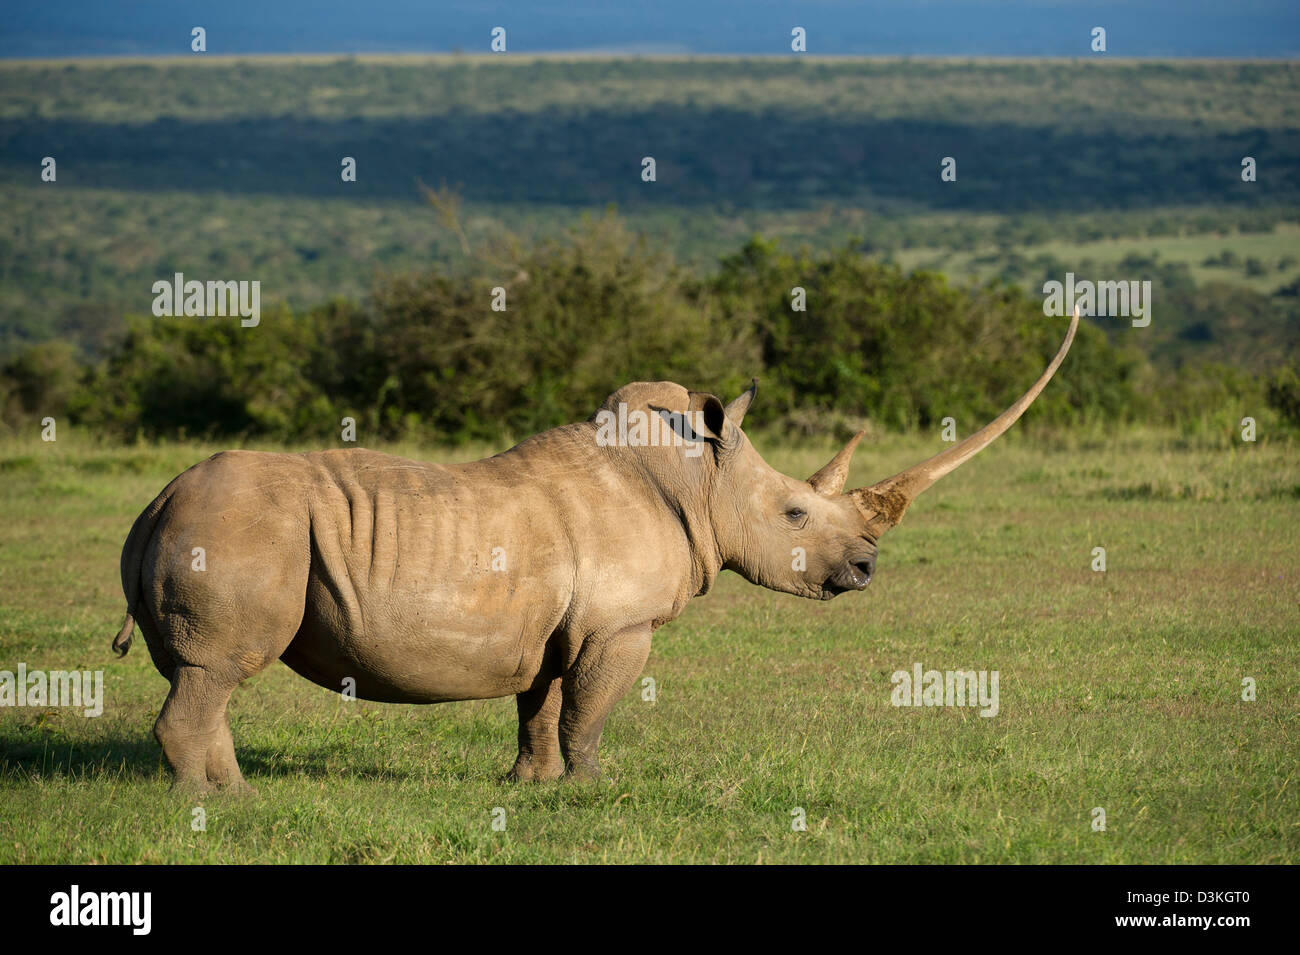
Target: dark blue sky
<point x="1228" y="28"/>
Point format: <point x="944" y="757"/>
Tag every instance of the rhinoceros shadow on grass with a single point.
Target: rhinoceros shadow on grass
<point x="538" y="573"/>
<point x="136" y="758"/>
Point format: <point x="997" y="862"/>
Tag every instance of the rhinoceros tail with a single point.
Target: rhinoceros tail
<point x="133" y="563"/>
<point x="122" y="642"/>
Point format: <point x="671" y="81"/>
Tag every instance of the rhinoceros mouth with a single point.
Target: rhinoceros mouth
<point x="853" y="576"/>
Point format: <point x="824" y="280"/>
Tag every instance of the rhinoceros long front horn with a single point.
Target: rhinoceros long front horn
<point x="883" y="504"/>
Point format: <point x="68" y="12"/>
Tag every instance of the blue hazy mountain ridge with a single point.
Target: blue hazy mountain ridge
<point x="1160" y="28"/>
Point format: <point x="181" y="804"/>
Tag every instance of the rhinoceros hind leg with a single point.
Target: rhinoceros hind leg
<point x="539" y="758"/>
<point x="606" y="668"/>
<point x="222" y="767"/>
<point x="195" y="732"/>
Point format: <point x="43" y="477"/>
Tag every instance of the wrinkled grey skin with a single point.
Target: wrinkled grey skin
<point x="539" y="573"/>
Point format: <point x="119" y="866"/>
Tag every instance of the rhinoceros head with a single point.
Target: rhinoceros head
<point x="810" y="538"/>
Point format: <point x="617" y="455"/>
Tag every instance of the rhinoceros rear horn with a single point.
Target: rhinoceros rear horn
<point x="883" y="504"/>
<point x="829" y="481"/>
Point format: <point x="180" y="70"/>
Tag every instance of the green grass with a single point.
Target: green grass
<point x="1119" y="690"/>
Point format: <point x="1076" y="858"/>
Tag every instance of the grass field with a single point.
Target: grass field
<point x="1119" y="690"/>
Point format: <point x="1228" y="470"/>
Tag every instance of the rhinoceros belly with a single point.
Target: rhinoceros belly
<point x="422" y="589"/>
<point x="404" y="655"/>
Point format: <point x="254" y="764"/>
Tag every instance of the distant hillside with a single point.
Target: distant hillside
<point x="1063" y="135"/>
<point x="230" y="167"/>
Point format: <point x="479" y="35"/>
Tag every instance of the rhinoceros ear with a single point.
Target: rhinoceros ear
<point x="736" y="409"/>
<point x="710" y="420"/>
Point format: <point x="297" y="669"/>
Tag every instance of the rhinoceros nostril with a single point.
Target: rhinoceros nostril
<point x="865" y="567"/>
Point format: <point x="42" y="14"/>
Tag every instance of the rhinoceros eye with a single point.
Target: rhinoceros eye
<point x="796" y="513"/>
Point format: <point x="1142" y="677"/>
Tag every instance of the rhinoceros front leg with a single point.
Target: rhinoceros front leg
<point x="606" y="668"/>
<point x="539" y="734"/>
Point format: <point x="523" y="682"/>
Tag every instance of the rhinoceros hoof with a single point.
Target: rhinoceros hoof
<point x="237" y="787"/>
<point x="581" y="773"/>
<point x="197" y="788"/>
<point x="535" y="771"/>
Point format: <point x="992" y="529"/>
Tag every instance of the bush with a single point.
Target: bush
<point x="428" y="357"/>
<point x="1283" y="394"/>
<point x="43" y="380"/>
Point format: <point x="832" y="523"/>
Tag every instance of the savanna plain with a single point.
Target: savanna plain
<point x="1119" y="689"/>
